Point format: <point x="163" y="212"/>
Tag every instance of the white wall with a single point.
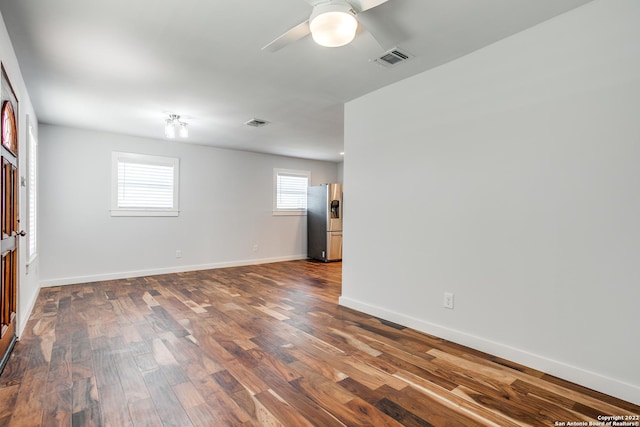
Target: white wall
<point x="28" y="286"/>
<point x="225" y="208"/>
<point x="510" y="177"/>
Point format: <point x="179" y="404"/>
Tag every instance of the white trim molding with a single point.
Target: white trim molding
<point x="611" y="386"/>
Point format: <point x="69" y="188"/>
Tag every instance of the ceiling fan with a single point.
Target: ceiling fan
<point x="333" y="23"/>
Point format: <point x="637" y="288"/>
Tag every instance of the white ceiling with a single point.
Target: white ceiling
<point x="123" y="65"/>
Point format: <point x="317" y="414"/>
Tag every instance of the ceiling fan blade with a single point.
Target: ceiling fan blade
<point x="382" y="31"/>
<point x="362" y="5"/>
<point x="293" y="35"/>
<point x="317" y="2"/>
<point x="366" y="44"/>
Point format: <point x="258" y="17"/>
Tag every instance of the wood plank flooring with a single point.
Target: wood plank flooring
<point x="262" y="345"/>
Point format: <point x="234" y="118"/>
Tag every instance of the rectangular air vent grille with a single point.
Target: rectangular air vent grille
<point x="393" y="57"/>
<point x="256" y="123"/>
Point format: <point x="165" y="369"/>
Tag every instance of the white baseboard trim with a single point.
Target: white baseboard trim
<point x="24" y="319"/>
<point x="595" y="381"/>
<point x="47" y="283"/>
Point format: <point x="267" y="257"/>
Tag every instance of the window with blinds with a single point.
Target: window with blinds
<point x="32" y="199"/>
<point x="144" y="185"/>
<point x="290" y="192"/>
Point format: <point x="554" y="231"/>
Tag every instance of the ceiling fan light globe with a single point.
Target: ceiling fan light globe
<point x="333" y="28"/>
<point x="184" y="132"/>
<point x="169" y="129"/>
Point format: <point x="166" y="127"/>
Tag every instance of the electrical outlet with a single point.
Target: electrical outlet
<point x="178" y="253"/>
<point x="255" y="247"/>
<point x="448" y="300"/>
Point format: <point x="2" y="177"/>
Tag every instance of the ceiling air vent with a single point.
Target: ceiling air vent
<point x="256" y="123"/>
<point x="393" y="57"/>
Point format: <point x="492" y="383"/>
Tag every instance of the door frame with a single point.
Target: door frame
<point x="10" y="233"/>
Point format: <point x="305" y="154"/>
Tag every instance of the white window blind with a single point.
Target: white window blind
<point x="290" y="191"/>
<point x="32" y="199"/>
<point x="144" y="185"/>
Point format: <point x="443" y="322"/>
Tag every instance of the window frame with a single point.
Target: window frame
<point x="287" y="211"/>
<point x="144" y="159"/>
<point x="32" y="195"/>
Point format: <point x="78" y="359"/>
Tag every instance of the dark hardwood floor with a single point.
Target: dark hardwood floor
<point x="261" y="345"/>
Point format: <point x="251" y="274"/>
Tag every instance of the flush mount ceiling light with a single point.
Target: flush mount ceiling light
<point x="333" y="24"/>
<point x="174" y="125"/>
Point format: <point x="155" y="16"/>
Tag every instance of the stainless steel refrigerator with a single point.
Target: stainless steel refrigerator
<point x="324" y="222"/>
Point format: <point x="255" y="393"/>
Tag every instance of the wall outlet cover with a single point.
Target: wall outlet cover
<point x="448" y="300"/>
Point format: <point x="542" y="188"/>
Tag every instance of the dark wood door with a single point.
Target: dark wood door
<point x="10" y="221"/>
